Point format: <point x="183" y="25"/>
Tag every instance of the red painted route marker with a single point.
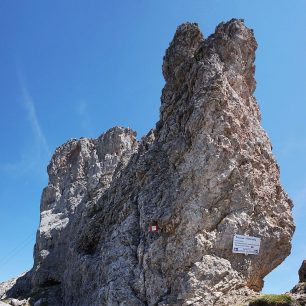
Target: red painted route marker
<point x="153" y="228"/>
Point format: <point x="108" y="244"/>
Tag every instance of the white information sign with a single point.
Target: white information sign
<point x="246" y="244"/>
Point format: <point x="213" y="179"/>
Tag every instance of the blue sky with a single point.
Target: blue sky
<point x="76" y="68"/>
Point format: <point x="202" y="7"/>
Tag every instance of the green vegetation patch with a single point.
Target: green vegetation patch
<point x="272" y="300"/>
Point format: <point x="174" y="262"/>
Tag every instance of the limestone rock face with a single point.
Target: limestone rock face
<point x="205" y="173"/>
<point x="79" y="173"/>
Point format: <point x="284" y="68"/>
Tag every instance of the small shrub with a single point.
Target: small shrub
<point x="272" y="300"/>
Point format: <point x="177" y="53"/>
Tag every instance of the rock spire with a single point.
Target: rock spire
<point x="204" y="174"/>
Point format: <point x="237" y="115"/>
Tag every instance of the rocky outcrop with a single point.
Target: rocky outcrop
<point x="302" y="272"/>
<point x="298" y="292"/>
<point x="205" y="173"/>
<point x="79" y="173"/>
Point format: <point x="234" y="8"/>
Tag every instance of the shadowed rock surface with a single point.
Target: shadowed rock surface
<point x="205" y="173"/>
<point x="298" y="292"/>
<point x="302" y="272"/>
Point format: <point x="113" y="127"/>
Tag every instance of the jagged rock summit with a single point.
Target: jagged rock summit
<point x="204" y="174"/>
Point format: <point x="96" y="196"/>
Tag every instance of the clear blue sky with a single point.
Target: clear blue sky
<point x="76" y="68"/>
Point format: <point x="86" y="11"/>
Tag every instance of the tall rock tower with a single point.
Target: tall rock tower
<point x="152" y="222"/>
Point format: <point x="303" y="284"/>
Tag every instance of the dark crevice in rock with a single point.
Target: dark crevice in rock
<point x="49" y="283"/>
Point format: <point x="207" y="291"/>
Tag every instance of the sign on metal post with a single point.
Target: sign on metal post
<point x="246" y="244"/>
